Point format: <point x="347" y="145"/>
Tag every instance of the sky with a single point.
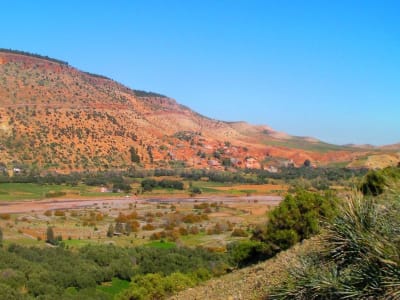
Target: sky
<point x="326" y="69"/>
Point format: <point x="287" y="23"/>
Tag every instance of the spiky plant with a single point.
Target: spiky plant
<point x="361" y="259"/>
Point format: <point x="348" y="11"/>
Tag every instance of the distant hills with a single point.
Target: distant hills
<point x="56" y="117"/>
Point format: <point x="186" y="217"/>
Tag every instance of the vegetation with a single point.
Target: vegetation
<point x="375" y="182"/>
<point x="139" y="93"/>
<point x="361" y="252"/>
<point x="150" y="184"/>
<point x="135" y="158"/>
<point x="58" y="272"/>
<point x="297" y="217"/>
<point x="34" y="55"/>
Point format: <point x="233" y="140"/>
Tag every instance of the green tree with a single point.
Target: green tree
<point x="307" y="163"/>
<point x="119" y="228"/>
<point x="297" y="217"/>
<point x="360" y="257"/>
<point x="373" y="184"/>
<point x="128" y="228"/>
<point x="50" y="236"/>
<point x="135" y="158"/>
<point x="110" y="231"/>
<point x="1" y="237"/>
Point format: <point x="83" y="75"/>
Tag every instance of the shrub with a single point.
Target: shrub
<point x="148" y="226"/>
<point x="244" y="253"/>
<point x="296" y="218"/>
<point x="5" y="216"/>
<point x="239" y="232"/>
<point x="361" y="259"/>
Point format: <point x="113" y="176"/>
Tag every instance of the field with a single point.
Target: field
<point x="162" y="218"/>
<point x="33" y="191"/>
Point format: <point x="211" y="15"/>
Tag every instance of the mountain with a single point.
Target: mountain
<point x="54" y="116"/>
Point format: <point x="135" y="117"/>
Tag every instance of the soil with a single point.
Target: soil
<point x="54" y="204"/>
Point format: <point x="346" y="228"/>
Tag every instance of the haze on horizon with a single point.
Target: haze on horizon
<point x="329" y="70"/>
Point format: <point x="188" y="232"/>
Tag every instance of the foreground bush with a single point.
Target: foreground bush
<point x="361" y="258"/>
<point x="297" y="217"/>
<point x="157" y="286"/>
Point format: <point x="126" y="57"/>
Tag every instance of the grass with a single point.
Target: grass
<point x="299" y="143"/>
<point x="161" y="244"/>
<point x="114" y="287"/>
<point x="78" y="243"/>
<point x="32" y="191"/>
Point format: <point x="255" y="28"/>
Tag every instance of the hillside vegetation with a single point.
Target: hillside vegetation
<point x="356" y="256"/>
<point x="55" y="117"/>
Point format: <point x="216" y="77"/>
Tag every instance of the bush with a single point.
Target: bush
<point x="239" y="232"/>
<point x="296" y="218"/>
<point x="244" y="253"/>
<point x="375" y="182"/>
<point x="361" y="259"/>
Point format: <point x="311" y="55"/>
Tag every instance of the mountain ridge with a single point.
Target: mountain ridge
<point x="54" y="116"/>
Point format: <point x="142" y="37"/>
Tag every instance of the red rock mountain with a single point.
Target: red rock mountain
<point x="54" y="116"/>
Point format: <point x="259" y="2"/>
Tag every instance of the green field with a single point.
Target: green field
<point x="161" y="244"/>
<point x="33" y="191"/>
<point x="114" y="287"/>
<point x="299" y="143"/>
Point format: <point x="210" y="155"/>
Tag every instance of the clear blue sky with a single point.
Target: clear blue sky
<point x="328" y="69"/>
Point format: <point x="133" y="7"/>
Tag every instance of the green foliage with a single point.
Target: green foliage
<point x="139" y="93"/>
<point x="157" y="286"/>
<point x="245" y="253"/>
<point x="117" y="286"/>
<point x="307" y="163"/>
<point x="1" y="237"/>
<point x="50" y="236"/>
<point x="51" y="273"/>
<point x="297" y="217"/>
<point x="195" y="190"/>
<point x="361" y="259"/>
<point x="161" y="244"/>
<point x="121" y="186"/>
<point x="8" y="293"/>
<point x="149" y="184"/>
<point x="135" y="158"/>
<point x="185" y="135"/>
<point x="110" y="231"/>
<point x="375" y="182"/>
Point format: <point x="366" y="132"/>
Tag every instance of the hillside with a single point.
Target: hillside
<point x="54" y="116"/>
<point x="252" y="282"/>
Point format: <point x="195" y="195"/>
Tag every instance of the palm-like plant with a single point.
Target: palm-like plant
<point x="361" y="257"/>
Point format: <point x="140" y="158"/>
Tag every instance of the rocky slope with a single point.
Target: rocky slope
<point x="53" y="116"/>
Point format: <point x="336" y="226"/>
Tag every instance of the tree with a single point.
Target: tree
<point x="1" y="237"/>
<point x="110" y="231"/>
<point x="374" y="183"/>
<point x="50" y="236"/>
<point x="135" y="158"/>
<point x="307" y="163"/>
<point x="119" y="228"/>
<point x="128" y="228"/>
<point x="297" y="217"/>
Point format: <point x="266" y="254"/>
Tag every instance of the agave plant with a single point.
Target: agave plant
<point x="361" y="257"/>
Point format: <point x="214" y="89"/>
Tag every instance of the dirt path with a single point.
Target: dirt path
<point x="53" y="204"/>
